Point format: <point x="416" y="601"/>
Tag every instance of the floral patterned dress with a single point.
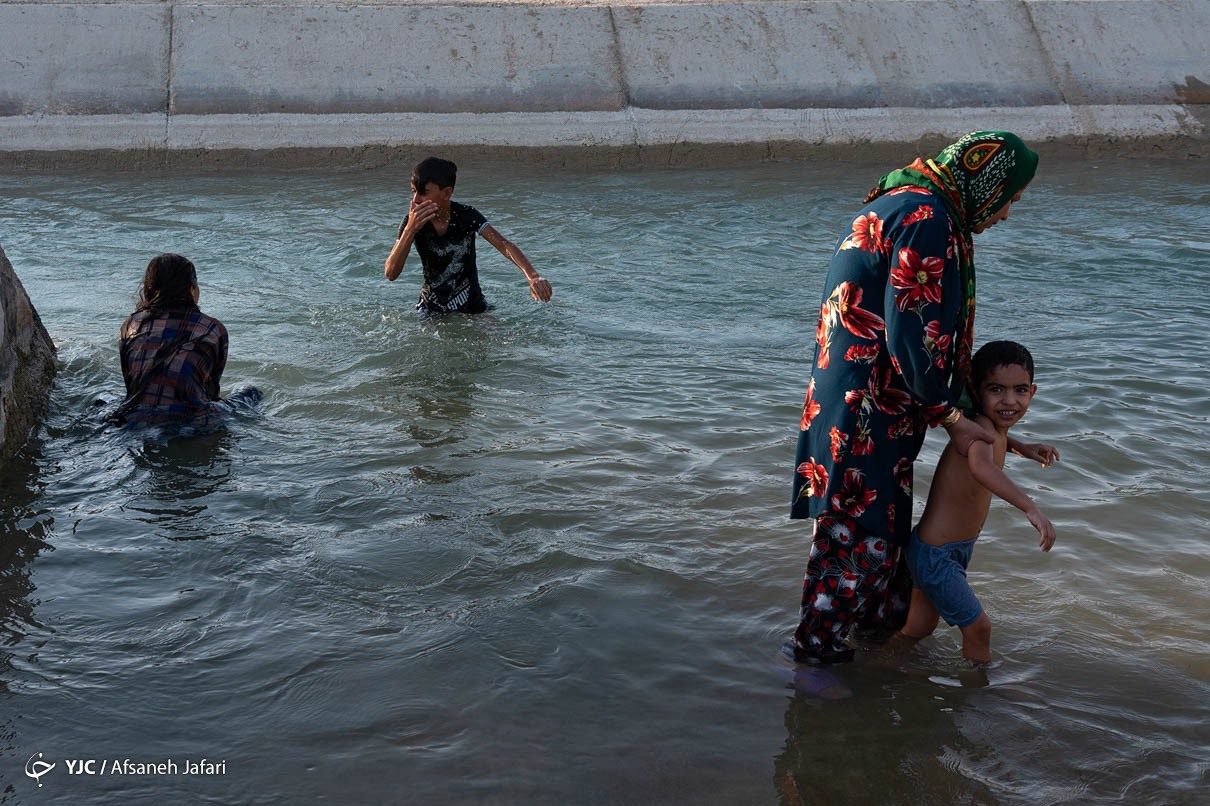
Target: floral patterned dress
<point x="882" y="375"/>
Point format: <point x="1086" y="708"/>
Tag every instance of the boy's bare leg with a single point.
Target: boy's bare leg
<point x="977" y="640"/>
<point x="922" y="619"/>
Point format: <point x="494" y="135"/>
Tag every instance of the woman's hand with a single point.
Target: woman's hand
<point x="963" y="432"/>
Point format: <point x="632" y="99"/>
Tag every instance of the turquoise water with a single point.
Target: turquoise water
<point x="542" y="556"/>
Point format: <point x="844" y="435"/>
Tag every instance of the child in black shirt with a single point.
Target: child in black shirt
<point x="444" y="234"/>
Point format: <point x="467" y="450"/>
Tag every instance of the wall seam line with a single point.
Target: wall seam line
<point x="169" y="75"/>
<point x="620" y="69"/>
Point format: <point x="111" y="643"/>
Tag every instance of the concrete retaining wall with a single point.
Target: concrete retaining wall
<point x="154" y="76"/>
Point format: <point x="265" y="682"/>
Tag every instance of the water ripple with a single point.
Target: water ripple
<point x="544" y="551"/>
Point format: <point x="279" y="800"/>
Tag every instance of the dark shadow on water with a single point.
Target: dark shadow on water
<point x="178" y="468"/>
<point x="895" y="740"/>
<point x="23" y="536"/>
<point x="176" y="481"/>
<point x="24" y="533"/>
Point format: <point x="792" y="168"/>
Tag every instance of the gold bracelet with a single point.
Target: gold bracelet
<point x="951" y="418"/>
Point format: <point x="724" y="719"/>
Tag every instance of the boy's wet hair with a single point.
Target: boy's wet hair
<point x="1000" y="354"/>
<point x="441" y="173"/>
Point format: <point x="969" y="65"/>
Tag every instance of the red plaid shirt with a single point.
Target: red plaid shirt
<point x="172" y="361"/>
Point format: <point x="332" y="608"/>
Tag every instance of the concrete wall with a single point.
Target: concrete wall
<point x="27" y="362"/>
<point x="156" y="76"/>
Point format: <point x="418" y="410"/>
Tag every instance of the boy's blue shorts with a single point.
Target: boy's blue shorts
<point x="940" y="574"/>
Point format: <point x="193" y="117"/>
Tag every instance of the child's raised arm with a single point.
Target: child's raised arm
<point x="418" y="215"/>
<point x="981" y="461"/>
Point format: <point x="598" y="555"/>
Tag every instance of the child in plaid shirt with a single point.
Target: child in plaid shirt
<point x="173" y="355"/>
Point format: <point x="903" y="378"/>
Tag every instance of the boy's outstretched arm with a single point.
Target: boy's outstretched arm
<point x="1040" y="452"/>
<point x="983" y="467"/>
<point x="539" y="288"/>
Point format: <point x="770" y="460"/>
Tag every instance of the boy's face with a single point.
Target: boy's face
<point x="431" y="193"/>
<point x="1005" y="394"/>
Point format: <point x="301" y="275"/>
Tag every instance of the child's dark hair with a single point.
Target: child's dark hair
<point x="1000" y="354"/>
<point x="441" y="173"/>
<point x="168" y="283"/>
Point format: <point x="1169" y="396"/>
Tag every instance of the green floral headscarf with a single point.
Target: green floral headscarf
<point x="974" y="178"/>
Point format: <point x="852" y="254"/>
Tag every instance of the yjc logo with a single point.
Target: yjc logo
<point x="36" y="769"/>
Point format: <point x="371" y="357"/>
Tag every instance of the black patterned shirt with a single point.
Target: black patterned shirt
<point x="451" y="276"/>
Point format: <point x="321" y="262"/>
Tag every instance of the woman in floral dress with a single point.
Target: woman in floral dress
<point x="892" y="359"/>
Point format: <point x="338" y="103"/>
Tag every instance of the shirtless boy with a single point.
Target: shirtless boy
<point x="959" y="499"/>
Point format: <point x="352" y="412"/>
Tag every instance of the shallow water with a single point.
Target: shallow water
<point x="542" y="555"/>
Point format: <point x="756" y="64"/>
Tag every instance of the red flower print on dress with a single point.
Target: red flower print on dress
<point x="921" y="213"/>
<point x="810" y="408"/>
<point x="916" y="280"/>
<point x="853" y="497"/>
<point x="873" y="547"/>
<point x="823" y="335"/>
<point x="842" y="528"/>
<point x="938" y="345"/>
<point x="816" y="476"/>
<point x="862" y="353"/>
<point x="903" y="475"/>
<point x="863" y="445"/>
<point x="856" y="400"/>
<point x="839" y="438"/>
<point x="899" y="428"/>
<point x="846" y="302"/>
<point x="886" y="397"/>
<point x="867" y="235"/>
